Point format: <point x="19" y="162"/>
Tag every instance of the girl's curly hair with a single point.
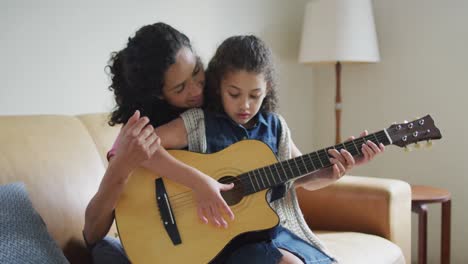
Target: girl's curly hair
<point x="247" y="53"/>
<point x="137" y="73"/>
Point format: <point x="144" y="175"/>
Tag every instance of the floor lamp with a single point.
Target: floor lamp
<point x="338" y="31"/>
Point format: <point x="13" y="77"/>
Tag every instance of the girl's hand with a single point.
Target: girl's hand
<point x="342" y="162"/>
<point x="137" y="141"/>
<point x="211" y="204"/>
<point x="369" y="150"/>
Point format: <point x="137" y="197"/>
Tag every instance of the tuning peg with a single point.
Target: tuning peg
<point x="407" y="149"/>
<point x="417" y="145"/>
<point x="429" y="144"/>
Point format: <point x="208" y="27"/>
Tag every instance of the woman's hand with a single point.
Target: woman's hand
<point x="211" y="204"/>
<point x="137" y="142"/>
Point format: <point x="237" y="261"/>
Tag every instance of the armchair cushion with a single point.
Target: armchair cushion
<point x="364" y="205"/>
<point x="359" y="248"/>
<point x="23" y="234"/>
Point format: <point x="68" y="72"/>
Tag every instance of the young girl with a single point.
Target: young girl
<point x="241" y="100"/>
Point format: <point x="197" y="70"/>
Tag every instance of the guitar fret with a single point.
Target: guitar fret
<point x="383" y="135"/>
<point x="272" y="175"/>
<point x="357" y="149"/>
<point x="290" y="169"/>
<point x="252" y="183"/>
<point x="261" y="178"/>
<point x="312" y="161"/>
<point x="298" y="168"/>
<point x="279" y="174"/>
<point x="376" y="139"/>
<point x="360" y="141"/>
<point x="266" y="176"/>
<point x="255" y="177"/>
<point x="316" y="153"/>
<point x="327" y="159"/>
<point x="342" y="146"/>
<point x="349" y="149"/>
<point x="367" y="138"/>
<point x="285" y="173"/>
<point x="305" y="165"/>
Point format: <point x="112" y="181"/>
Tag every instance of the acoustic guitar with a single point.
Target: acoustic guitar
<point x="157" y="219"/>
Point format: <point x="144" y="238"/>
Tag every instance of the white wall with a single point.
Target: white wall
<point x="423" y="46"/>
<point x="54" y="52"/>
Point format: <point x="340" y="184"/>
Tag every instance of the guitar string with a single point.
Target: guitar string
<point x="314" y="161"/>
<point x="180" y="199"/>
<point x="181" y="203"/>
<point x="246" y="175"/>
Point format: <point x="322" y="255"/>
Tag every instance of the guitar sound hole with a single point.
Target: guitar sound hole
<point x="234" y="195"/>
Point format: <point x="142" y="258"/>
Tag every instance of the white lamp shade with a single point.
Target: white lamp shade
<point x="339" y="30"/>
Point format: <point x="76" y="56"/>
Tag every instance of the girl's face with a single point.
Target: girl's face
<point x="184" y="81"/>
<point x="242" y="94"/>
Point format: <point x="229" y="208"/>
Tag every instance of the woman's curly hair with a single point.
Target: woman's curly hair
<point x="247" y="53"/>
<point x="137" y="73"/>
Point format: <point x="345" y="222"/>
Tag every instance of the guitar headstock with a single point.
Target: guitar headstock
<point x="415" y="131"/>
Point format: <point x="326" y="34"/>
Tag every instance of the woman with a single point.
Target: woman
<point x="157" y="75"/>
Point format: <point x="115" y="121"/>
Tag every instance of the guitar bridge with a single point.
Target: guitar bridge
<point x="166" y="213"/>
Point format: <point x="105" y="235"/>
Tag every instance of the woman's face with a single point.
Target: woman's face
<point x="184" y="81"/>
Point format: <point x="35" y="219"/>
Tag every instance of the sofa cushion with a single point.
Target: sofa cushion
<point x="359" y="248"/>
<point x="23" y="234"/>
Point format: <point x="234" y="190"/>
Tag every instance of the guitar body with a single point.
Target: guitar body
<point x="142" y="231"/>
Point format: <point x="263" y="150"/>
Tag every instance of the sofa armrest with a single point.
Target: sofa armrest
<point x="375" y="206"/>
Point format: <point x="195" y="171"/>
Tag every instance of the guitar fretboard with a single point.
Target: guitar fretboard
<point x="281" y="172"/>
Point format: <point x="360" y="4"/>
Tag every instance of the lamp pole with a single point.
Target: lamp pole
<point x="338" y="105"/>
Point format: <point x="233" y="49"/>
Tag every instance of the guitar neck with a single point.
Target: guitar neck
<point x="281" y="172"/>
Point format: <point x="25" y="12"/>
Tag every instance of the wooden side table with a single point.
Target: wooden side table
<point x="421" y="196"/>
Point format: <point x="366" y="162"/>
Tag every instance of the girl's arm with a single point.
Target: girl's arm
<point x="321" y="178"/>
